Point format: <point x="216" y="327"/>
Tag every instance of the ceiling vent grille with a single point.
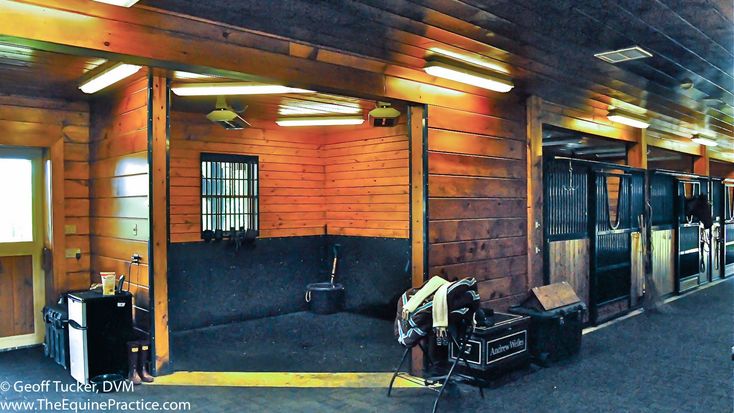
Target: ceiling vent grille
<point x="624" y="55"/>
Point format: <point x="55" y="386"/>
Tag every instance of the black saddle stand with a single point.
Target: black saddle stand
<point x="459" y="337"/>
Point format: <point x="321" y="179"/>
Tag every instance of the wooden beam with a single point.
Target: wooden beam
<point x="672" y="143"/>
<point x="701" y="164"/>
<point x="140" y="36"/>
<point x="158" y="243"/>
<point x="534" y="109"/>
<point x="637" y="153"/>
<point x="417" y="124"/>
<point x="721" y="156"/>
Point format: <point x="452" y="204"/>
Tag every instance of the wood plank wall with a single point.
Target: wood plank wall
<point x="291" y="175"/>
<point x="40" y="122"/>
<point x="119" y="188"/>
<point x="367" y="181"/>
<point x="477" y="195"/>
<point x="352" y="180"/>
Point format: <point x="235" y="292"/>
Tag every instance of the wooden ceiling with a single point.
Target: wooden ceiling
<point x="548" y="46"/>
<point x="30" y="72"/>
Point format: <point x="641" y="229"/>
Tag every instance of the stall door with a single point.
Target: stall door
<point x="729" y="229"/>
<point x="639" y="245"/>
<point x="566" y="214"/>
<point x="21" y="282"/>
<point x="692" y="265"/>
<point x="663" y="227"/>
<point x="610" y="280"/>
<point x="716" y="195"/>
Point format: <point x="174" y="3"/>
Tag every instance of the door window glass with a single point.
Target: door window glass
<point x="16" y="209"/>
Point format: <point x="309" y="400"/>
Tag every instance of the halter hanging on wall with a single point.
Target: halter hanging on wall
<point x="694" y="186"/>
<point x="570" y="186"/>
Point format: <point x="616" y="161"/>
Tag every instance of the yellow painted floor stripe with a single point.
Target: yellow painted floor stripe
<point x="278" y="379"/>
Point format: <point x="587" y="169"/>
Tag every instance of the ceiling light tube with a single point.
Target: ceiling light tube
<point x="108" y="77"/>
<point x="701" y="140"/>
<point x="627" y="118"/>
<point x="320" y="121"/>
<point x="232" y="88"/>
<point x="189" y="75"/>
<point x="469" y="74"/>
<point x="123" y="3"/>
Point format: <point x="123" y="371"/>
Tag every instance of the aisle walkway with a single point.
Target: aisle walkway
<point x="676" y="360"/>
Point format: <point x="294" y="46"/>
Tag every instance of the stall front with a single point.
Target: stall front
<point x="289" y="224"/>
<point x="593" y="214"/>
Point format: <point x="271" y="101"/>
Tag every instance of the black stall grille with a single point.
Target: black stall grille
<point x="229" y="192"/>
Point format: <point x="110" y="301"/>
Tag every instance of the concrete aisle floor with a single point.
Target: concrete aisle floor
<point x="675" y="360"/>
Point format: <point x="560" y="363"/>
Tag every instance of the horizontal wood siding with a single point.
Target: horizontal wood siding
<point x="40" y="122"/>
<point x="367" y="181"/>
<point x="291" y="175"/>
<point x="119" y="189"/>
<point x="477" y="199"/>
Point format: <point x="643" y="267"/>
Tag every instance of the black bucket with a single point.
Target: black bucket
<point x="325" y="298"/>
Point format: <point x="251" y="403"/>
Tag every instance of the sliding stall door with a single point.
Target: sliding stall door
<point x="565" y="210"/>
<point x="637" y="239"/>
<point x="663" y="225"/>
<point x="716" y="248"/>
<point x="611" y="228"/>
<point x="691" y="270"/>
<point x="729" y="229"/>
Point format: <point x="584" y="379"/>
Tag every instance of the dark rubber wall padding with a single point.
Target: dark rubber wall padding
<point x="212" y="284"/>
<point x="373" y="272"/>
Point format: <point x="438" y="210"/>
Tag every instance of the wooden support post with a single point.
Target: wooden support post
<point x="158" y="243"/>
<point x="58" y="217"/>
<point x="417" y="123"/>
<point x="701" y="163"/>
<point x="637" y="157"/>
<point x="534" y="108"/>
<point x="637" y="153"/>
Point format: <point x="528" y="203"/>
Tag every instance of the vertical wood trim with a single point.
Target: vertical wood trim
<point x="418" y="209"/>
<point x="534" y="107"/>
<point x="158" y="244"/>
<point x="637" y="153"/>
<point x="58" y="216"/>
<point x="417" y="195"/>
<point x="701" y="164"/>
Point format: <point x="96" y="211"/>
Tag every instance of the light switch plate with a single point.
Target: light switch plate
<point x="71" y="252"/>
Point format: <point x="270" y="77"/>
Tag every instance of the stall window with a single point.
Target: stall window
<point x="229" y="193"/>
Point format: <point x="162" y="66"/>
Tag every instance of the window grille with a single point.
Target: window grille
<point x="229" y="193"/>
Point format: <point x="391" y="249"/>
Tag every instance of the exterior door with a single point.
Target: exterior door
<point x="21" y="241"/>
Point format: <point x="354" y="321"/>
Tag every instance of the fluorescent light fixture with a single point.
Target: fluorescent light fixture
<point x="293" y="107"/>
<point x="469" y="59"/>
<point x="189" y="75"/>
<point x="469" y="74"/>
<point x="320" y="121"/>
<point x="701" y="140"/>
<point x="232" y="88"/>
<point x="627" y="118"/>
<point x="108" y="77"/>
<point x="123" y="3"/>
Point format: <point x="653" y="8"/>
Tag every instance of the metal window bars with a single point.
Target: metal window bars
<point x="229" y="193"/>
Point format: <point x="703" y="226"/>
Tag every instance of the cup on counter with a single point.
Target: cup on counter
<point x="108" y="283"/>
